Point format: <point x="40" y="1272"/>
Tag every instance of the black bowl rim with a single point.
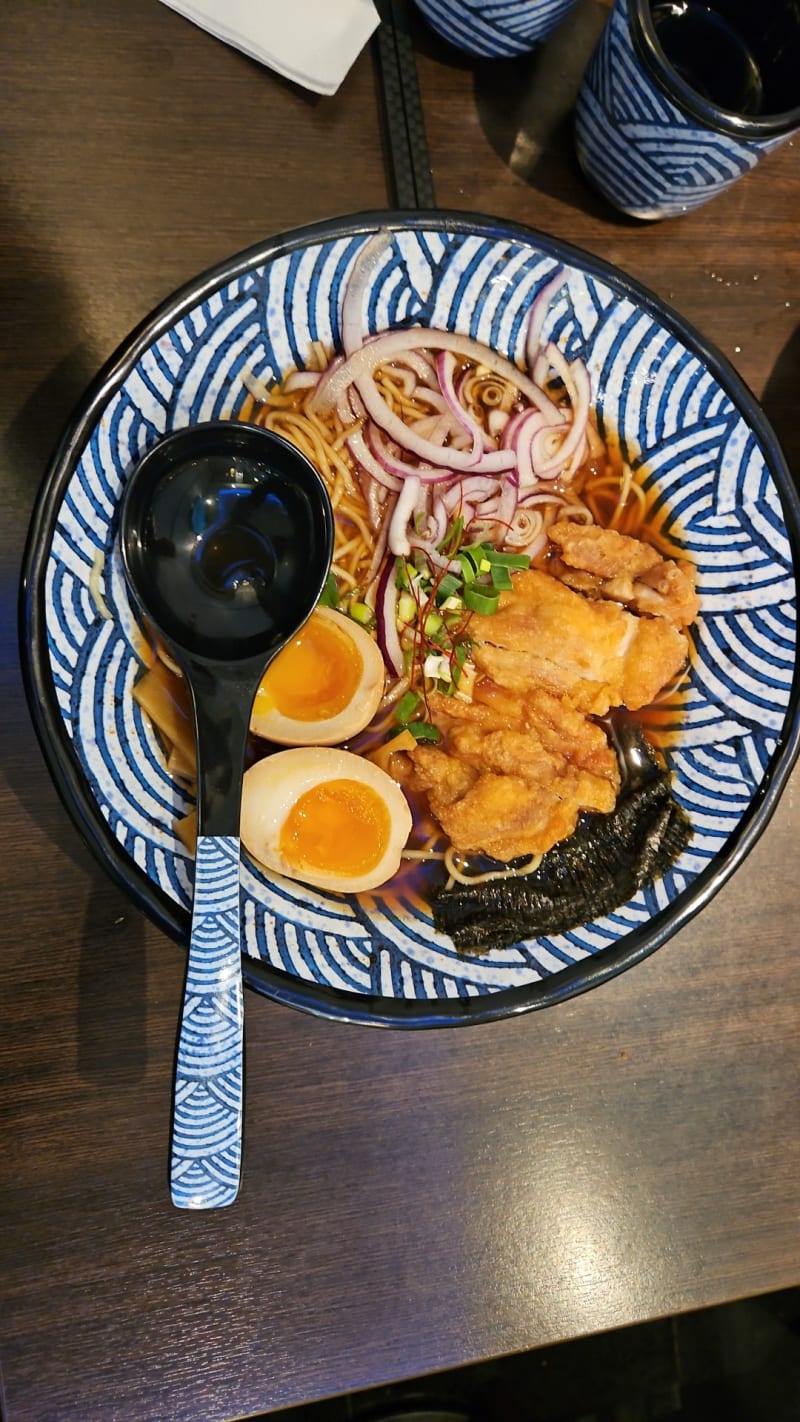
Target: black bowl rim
<point x="63" y="763"/>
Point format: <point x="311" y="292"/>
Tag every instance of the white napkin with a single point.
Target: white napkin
<point x="312" y="42"/>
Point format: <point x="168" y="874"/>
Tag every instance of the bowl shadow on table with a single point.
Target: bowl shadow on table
<point x="525" y="107"/>
<point x="740" y="1361"/>
<point x="779" y="402"/>
<point x="112" y="934"/>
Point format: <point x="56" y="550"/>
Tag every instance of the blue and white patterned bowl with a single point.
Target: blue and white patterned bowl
<point x="681" y="411"/>
<point x="494" y="29"/>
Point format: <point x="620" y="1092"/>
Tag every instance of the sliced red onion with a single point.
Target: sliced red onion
<point x="577" y="512"/>
<point x="536" y="320"/>
<point x="540" y="370"/>
<point x="430" y="550"/>
<point x="530" y="499"/>
<point x="457" y="505"/>
<point x="421" y="364"/>
<point x="407" y="381"/>
<point x="375" y="495"/>
<point x="548" y="463"/>
<point x="479" y="486"/>
<point x="365" y="267"/>
<point x="536" y="546"/>
<point x="434" y="399"/>
<point x="362" y="363"/>
<point x="403" y="511"/>
<point x="381" y="541"/>
<point x="424" y="449"/>
<point x="446" y="369"/>
<point x="558" y="362"/>
<point x="434" y="527"/>
<point x="527" y="427"/>
<point x="528" y="533"/>
<point x="386" y="619"/>
<point x="302" y="380"/>
<point x="440" y="513"/>
<point x="442" y="428"/>
<point x="432" y="427"/>
<point x="326" y="378"/>
<point x="497" y="421"/>
<point x="507" y="503"/>
<point x="396" y="466"/>
<point x="367" y="460"/>
<point x="596" y="447"/>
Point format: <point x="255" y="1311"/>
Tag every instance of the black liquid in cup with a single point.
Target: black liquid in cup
<point x="742" y="56"/>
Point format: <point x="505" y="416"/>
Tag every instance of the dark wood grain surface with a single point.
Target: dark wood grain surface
<point x="410" y="1201"/>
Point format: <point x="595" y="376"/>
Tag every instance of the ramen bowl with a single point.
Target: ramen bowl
<point x="709" y="461"/>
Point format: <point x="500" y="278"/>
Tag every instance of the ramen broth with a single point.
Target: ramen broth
<point x="604" y="487"/>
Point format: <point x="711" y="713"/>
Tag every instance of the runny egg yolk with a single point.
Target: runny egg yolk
<point x="314" y="677"/>
<point x="338" y="826"/>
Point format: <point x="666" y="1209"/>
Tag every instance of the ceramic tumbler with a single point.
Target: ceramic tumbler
<point x="494" y="29"/>
<point x="680" y="99"/>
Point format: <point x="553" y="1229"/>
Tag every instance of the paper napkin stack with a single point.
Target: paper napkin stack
<point x="312" y="42"/>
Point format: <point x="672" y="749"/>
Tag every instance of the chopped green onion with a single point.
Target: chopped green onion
<point x="433" y="624"/>
<point x="468" y="568"/>
<point x="406" y="706"/>
<point x="449" y="585"/>
<point x="361" y="612"/>
<point x="452" y="539"/>
<point x="329" y="597"/>
<point x="509" y="560"/>
<point x="501" y="576"/>
<point x="453" y="604"/>
<point x="462" y="652"/>
<point x="424" y="731"/>
<point x="406" y="608"/>
<point x="481" y="600"/>
<point x="436" y="666"/>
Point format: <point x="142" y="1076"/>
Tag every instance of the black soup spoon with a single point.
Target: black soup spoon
<point x="227" y="533"/>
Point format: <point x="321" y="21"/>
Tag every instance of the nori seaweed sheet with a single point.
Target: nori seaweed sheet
<point x="606" y="860"/>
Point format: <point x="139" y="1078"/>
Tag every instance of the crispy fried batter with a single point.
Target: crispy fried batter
<point x="513" y="772"/>
<point x="518" y="763"/>
<point x="606" y="564"/>
<point x="594" y="654"/>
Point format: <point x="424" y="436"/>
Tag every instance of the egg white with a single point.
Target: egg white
<point x="272" y="786"/>
<point x="284" y="730"/>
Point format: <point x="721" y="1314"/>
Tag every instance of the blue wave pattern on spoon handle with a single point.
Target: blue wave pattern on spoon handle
<point x="207" y="1120"/>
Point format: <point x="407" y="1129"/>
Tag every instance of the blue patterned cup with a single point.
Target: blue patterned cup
<point x="494" y="29"/>
<point x="681" y="99"/>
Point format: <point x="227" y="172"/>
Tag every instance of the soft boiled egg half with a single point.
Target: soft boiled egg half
<point x="326" y="817"/>
<point x="324" y="687"/>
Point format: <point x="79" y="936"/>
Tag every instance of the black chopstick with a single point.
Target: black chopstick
<point x="409" y="159"/>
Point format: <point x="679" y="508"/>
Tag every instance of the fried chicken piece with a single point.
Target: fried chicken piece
<point x="606" y="564"/>
<point x="513" y="773"/>
<point x="594" y="654"/>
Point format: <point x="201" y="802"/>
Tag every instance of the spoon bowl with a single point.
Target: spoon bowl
<point x="226" y="533"/>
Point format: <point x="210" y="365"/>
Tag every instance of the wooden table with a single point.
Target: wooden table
<point x="410" y="1201"/>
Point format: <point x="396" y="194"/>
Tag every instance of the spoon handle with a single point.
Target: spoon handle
<point x="207" y="1111"/>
